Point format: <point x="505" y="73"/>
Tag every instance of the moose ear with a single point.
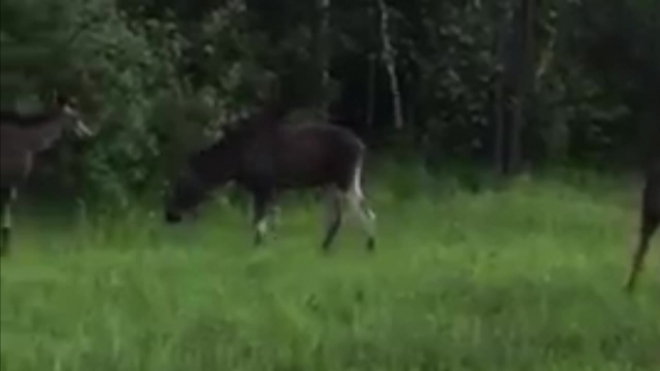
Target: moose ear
<point x="61" y="100"/>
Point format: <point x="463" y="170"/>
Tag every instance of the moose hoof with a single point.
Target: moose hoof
<point x="4" y="242"/>
<point x="629" y="287"/>
<point x="325" y="247"/>
<point x="371" y="244"/>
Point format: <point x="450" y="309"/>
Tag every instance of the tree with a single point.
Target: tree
<point x="388" y="55"/>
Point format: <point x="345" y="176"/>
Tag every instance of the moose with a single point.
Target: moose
<point x="650" y="219"/>
<point x="265" y="156"/>
<point x="23" y="136"/>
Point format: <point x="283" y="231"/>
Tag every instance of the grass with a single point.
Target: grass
<point x="527" y="278"/>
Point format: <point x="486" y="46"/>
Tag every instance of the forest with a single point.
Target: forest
<point x="509" y="85"/>
<point x="507" y="143"/>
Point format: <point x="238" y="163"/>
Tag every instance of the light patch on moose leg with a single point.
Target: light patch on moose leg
<point x="262" y="227"/>
<point x="261" y="206"/>
<point x="359" y="206"/>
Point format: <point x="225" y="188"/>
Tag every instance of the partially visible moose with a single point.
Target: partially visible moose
<point x="265" y="156"/>
<point x="650" y="219"/>
<point x="22" y="138"/>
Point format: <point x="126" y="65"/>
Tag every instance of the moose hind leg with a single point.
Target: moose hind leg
<point x="367" y="219"/>
<point x="333" y="217"/>
<point x="360" y="208"/>
<point x="649" y="226"/>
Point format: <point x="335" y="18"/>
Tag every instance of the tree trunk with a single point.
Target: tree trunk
<point x="498" y="122"/>
<point x="526" y="94"/>
<point x="518" y="79"/>
<point x="323" y="55"/>
<point x="500" y="83"/>
<point x="371" y="92"/>
<point x="390" y="63"/>
<point x="516" y="72"/>
<point x="515" y="134"/>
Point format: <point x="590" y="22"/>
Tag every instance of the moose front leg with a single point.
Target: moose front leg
<point x="5" y="231"/>
<point x="262" y="202"/>
<point x="650" y="221"/>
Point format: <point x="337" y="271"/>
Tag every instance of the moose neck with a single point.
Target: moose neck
<point x="217" y="164"/>
<point x="41" y="134"/>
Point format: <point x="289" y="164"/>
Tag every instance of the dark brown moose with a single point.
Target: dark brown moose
<point x="265" y="158"/>
<point x="22" y="138"/>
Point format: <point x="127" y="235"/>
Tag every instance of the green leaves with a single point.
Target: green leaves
<point x="158" y="78"/>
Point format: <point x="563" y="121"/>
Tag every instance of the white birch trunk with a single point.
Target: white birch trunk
<point x="390" y="63"/>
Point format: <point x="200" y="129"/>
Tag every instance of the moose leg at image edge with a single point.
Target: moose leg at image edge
<point x="649" y="226"/>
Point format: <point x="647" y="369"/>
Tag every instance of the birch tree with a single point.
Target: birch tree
<point x="388" y="55"/>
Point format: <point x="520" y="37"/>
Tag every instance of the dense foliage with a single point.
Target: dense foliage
<point x="157" y="78"/>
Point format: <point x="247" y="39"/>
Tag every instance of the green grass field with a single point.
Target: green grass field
<point x="527" y="278"/>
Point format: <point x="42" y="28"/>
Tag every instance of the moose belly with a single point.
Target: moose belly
<point x="652" y="192"/>
<point x="15" y="166"/>
<point x="300" y="180"/>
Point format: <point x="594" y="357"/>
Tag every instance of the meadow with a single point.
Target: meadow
<point x="526" y="277"/>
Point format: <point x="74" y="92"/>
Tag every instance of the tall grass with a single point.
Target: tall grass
<point x="526" y="277"/>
